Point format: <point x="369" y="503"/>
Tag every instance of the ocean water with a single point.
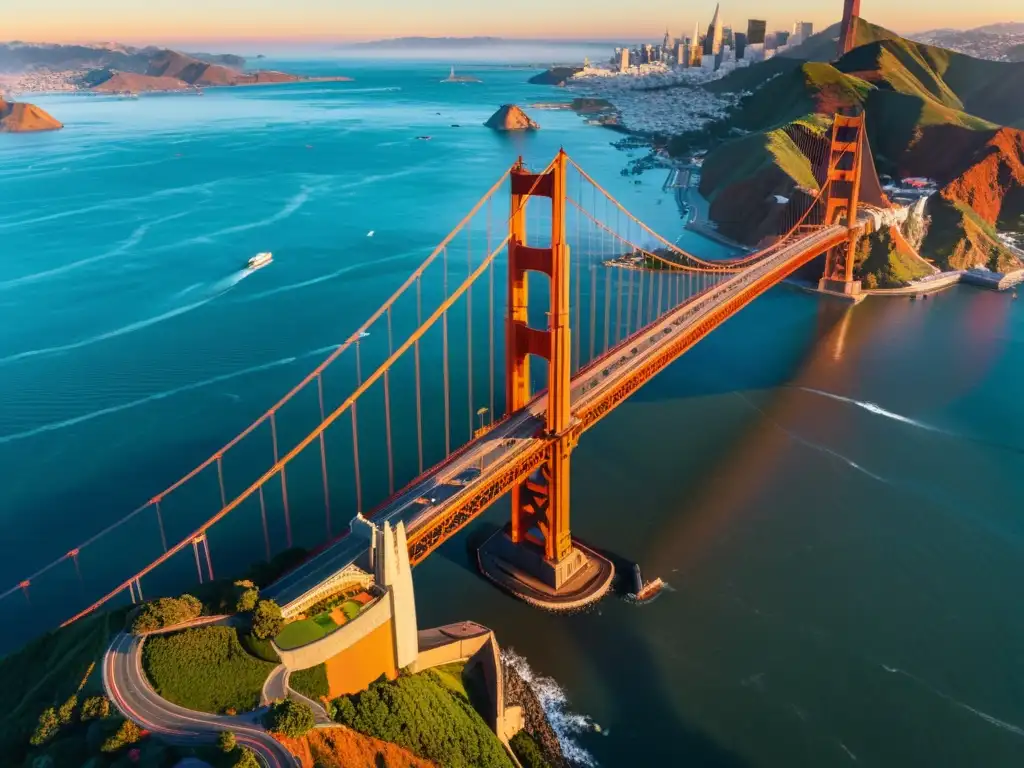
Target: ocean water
<point x="832" y="495"/>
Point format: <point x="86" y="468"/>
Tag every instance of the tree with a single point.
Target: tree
<point x="95" y="708"/>
<point x="870" y="281"/>
<point x="248" y="594"/>
<point x="266" y="619"/>
<point x="66" y="713"/>
<point x="246" y="759"/>
<point x="127" y="733"/>
<point x="166" y="612"/>
<point x="291" y="718"/>
<point x="226" y="741"/>
<point x="46" y="728"/>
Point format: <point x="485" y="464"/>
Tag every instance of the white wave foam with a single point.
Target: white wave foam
<point x="873" y="408"/>
<point x="133" y="240"/>
<point x="323" y="278"/>
<point x="290" y="207"/>
<point x="815" y="446"/>
<point x="555" y="704"/>
<point x="992" y="720"/>
<point x="53" y="426"/>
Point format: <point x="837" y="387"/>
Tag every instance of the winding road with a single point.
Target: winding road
<point x="129" y="690"/>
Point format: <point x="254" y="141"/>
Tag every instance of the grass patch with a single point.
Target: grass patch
<point x="261" y="649"/>
<point x="326" y="622"/>
<point x="351" y="609"/>
<point x="450" y="676"/>
<point x="420" y="713"/>
<point x="299" y="633"/>
<point x="205" y="669"/>
<point x="311" y="683"/>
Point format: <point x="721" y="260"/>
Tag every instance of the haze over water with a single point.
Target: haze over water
<point x="832" y="495"/>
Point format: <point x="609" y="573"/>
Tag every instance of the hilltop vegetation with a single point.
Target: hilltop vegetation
<point x="421" y="714"/>
<point x="930" y="112"/>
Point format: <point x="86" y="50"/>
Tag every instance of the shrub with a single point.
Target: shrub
<point x="47" y="727"/>
<point x="166" y="612"/>
<point x="290" y="718"/>
<point x="95" y="708"/>
<point x="127" y="733"/>
<point x="226" y="741"/>
<point x="266" y="619"/>
<point x="247" y="597"/>
<point x="528" y="751"/>
<point x="311" y="683"/>
<point x="246" y="759"/>
<point x="205" y="669"/>
<point x="66" y="713"/>
<point x="420" y="714"/>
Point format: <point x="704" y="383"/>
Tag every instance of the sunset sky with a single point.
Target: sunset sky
<point x="138" y="21"/>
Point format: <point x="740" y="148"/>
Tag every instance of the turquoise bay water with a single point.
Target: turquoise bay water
<point x="833" y="495"/>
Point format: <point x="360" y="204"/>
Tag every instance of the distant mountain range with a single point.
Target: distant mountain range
<point x="412" y="43"/>
<point x="18" y="57"/>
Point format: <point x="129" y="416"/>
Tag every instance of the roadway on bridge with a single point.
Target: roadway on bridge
<point x="127" y="687"/>
<point x="479" y="460"/>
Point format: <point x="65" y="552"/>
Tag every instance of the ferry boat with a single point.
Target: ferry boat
<point x="649" y="590"/>
<point x="260" y="260"/>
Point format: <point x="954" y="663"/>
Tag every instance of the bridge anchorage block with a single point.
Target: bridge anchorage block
<point x="581" y="577"/>
<point x="844" y="287"/>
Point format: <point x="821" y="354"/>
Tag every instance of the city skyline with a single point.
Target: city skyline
<point x="319" y="21"/>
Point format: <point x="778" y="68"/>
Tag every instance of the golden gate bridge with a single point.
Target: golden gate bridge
<point x="467" y="347"/>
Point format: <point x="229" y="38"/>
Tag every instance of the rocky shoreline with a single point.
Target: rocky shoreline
<point x="519" y="694"/>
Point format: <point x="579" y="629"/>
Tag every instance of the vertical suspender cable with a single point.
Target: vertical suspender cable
<point x="387" y="412"/>
<point x="263" y="516"/>
<point x="444" y="345"/>
<point x="416" y="357"/>
<point x="355" y="438"/>
<point x="323" y="456"/>
<point x="469" y="330"/>
<point x="490" y="309"/>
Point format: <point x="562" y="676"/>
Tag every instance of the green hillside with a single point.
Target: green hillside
<point x="930" y="112"/>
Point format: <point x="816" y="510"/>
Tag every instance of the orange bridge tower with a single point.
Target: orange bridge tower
<point x="845" y="165"/>
<point x="848" y="31"/>
<point x="536" y="556"/>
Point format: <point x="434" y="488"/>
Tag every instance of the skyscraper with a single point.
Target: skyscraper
<point x="696" y="50"/>
<point x="713" y="42"/>
<point x="741" y="45"/>
<point x="624" y="60"/>
<point x="683" y="54"/>
<point x="806" y="29"/>
<point x="756" y="29"/>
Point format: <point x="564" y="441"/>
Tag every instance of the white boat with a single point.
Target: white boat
<point x="260" y="260"/>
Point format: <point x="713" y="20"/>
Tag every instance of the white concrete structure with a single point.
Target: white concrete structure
<point x="389" y="558"/>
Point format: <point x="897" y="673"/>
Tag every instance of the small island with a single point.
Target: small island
<point x="453" y="78"/>
<point x="511" y="118"/>
<point x="25" y="118"/>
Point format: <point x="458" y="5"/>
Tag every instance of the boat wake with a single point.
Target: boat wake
<point x="565" y="723"/>
<point x="196" y="385"/>
<point x="1002" y="724"/>
<point x="133" y="240"/>
<point x="216" y="290"/>
<point x="880" y="411"/>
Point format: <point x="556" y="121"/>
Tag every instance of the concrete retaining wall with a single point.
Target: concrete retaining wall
<point x="373" y="615"/>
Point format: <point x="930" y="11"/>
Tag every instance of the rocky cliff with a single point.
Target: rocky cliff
<point x="25" y="118"/>
<point x="511" y="118"/>
<point x="519" y="694"/>
<point x="555" y="76"/>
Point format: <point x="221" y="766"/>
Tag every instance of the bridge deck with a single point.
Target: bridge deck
<point x="517" y="438"/>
